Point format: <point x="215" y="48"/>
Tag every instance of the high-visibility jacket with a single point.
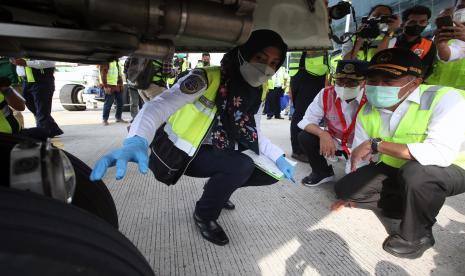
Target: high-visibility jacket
<point x="188" y="126"/>
<point x="8" y="123"/>
<point x="448" y="73"/>
<point x="415" y="121"/>
<point x="158" y="77"/>
<point x="316" y="65"/>
<point x="183" y="68"/>
<point x="34" y="75"/>
<point x="335" y="120"/>
<point x="368" y="49"/>
<point x="294" y="63"/>
<point x="422" y="48"/>
<point x="113" y="73"/>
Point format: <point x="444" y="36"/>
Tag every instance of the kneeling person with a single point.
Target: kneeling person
<point x="338" y="106"/>
<point x="413" y="131"/>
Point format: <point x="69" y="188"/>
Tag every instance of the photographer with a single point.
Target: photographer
<point x="380" y="19"/>
<point x="414" y="22"/>
<point x="450" y="40"/>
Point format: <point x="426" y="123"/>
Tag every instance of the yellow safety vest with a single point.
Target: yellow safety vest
<point x="448" y="73"/>
<point x="370" y="52"/>
<point x="171" y="81"/>
<point x="294" y="63"/>
<point x="271" y="83"/>
<point x="412" y="127"/>
<point x="6" y="115"/>
<point x="113" y="73"/>
<point x="316" y="66"/>
<point x="188" y="126"/>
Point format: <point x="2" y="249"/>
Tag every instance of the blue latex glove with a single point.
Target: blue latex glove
<point x="134" y="149"/>
<point x="286" y="168"/>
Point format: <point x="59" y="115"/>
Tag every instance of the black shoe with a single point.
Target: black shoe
<point x="279" y="117"/>
<point x="229" y="205"/>
<point x="314" y="179"/>
<point x="211" y="231"/>
<point x="397" y="246"/>
<point x="300" y="157"/>
<point x="269" y="117"/>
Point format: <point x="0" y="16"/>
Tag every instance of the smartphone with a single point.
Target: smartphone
<point x="444" y="21"/>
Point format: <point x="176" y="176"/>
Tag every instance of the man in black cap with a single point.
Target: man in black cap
<point x="338" y="106"/>
<point x="412" y="133"/>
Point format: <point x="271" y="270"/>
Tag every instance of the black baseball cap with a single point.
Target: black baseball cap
<point x="351" y="69"/>
<point x="396" y="62"/>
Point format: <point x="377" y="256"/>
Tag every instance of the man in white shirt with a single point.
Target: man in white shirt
<point x="38" y="89"/>
<point x="415" y="134"/>
<point x="338" y="106"/>
<point x="450" y="41"/>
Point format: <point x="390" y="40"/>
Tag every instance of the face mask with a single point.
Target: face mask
<point x="347" y="93"/>
<point x="255" y="74"/>
<point x="384" y="96"/>
<point x="414" y="30"/>
<point x="459" y="15"/>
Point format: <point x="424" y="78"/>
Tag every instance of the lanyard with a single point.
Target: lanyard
<point x="347" y="131"/>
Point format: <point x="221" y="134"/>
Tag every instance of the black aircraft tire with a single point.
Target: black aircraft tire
<point x="42" y="236"/>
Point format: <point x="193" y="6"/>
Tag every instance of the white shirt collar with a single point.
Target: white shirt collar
<point x="414" y="96"/>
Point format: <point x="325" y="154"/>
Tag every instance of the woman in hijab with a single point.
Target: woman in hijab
<point x="200" y="126"/>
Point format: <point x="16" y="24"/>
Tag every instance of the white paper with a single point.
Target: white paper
<point x="267" y="165"/>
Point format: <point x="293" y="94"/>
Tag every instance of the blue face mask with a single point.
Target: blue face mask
<point x="384" y="96"/>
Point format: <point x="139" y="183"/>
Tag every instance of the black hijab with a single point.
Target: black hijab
<point x="236" y="100"/>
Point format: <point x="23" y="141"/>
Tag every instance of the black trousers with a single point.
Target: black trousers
<point x="38" y="97"/>
<point x="273" y="102"/>
<point x="228" y="170"/>
<point x="417" y="191"/>
<point x="310" y="145"/>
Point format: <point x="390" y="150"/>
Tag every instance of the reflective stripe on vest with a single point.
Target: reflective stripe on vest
<point x="188" y="126"/>
<point x="335" y="120"/>
<point x="412" y="127"/>
<point x="294" y="63"/>
<point x="448" y="73"/>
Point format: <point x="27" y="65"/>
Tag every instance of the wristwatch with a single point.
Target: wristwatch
<point x="374" y="145"/>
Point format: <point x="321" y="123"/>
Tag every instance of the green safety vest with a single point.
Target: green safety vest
<point x="412" y="127"/>
<point x="30" y="73"/>
<point x="7" y="118"/>
<point x="294" y="63"/>
<point x="171" y="81"/>
<point x="448" y="73"/>
<point x="370" y="52"/>
<point x="188" y="126"/>
<point x="113" y="73"/>
<point x="316" y="66"/>
<point x="158" y="77"/>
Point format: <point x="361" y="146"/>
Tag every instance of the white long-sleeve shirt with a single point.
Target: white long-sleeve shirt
<point x="155" y="112"/>
<point x="445" y="134"/>
<point x="457" y="50"/>
<point x="315" y="113"/>
<point x="36" y="64"/>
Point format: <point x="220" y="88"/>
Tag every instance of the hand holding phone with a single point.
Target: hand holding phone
<point x="444" y="21"/>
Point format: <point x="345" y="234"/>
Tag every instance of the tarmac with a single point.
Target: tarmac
<point x="282" y="229"/>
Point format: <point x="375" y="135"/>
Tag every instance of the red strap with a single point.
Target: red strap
<point x="325" y="98"/>
<point x="347" y="131"/>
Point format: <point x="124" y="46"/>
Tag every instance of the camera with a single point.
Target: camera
<point x="374" y="26"/>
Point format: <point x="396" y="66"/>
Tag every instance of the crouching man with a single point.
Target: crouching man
<point x="416" y="134"/>
<point x="338" y="106"/>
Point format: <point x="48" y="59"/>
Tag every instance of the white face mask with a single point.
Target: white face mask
<point x="255" y="74"/>
<point x="347" y="93"/>
<point x="459" y="15"/>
